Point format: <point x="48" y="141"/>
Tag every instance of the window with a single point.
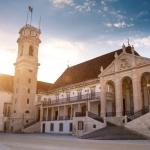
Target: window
<point x="30" y="70"/>
<point x="80" y="125"/>
<point x="27" y="121"/>
<point x="94" y="125"/>
<point x="27" y="112"/>
<point x="51" y="127"/>
<point x="14" y="111"/>
<point x="57" y="97"/>
<point x="61" y="127"/>
<point x="68" y="95"/>
<point x="6" y="109"/>
<point x="31" y="51"/>
<point x="70" y="127"/>
<point x="28" y="90"/>
<point x="27" y="100"/>
<point x="29" y="80"/>
<point x="39" y="98"/>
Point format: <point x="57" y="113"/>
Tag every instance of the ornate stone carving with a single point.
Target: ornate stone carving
<point x="124" y="64"/>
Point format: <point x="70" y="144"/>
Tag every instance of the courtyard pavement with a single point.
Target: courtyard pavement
<point x="61" y="142"/>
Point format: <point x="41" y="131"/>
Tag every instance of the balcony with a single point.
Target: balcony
<point x="93" y="96"/>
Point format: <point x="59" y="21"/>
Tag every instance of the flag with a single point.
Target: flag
<point x="30" y="9"/>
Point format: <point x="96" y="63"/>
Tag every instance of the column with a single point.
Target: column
<point x="103" y="101"/>
<point x="88" y="106"/>
<point x="58" y="114"/>
<point x="47" y="114"/>
<point x="41" y="113"/>
<point x="65" y="112"/>
<point x="71" y="112"/>
<point x="52" y="113"/>
<point x="137" y="97"/>
<point x="118" y="97"/>
<point x="79" y="107"/>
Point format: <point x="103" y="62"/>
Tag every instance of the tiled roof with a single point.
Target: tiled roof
<point x="43" y="86"/>
<point x="82" y="72"/>
<point x="87" y="70"/>
<point x="6" y="84"/>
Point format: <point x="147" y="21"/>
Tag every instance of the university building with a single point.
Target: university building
<point x="110" y="89"/>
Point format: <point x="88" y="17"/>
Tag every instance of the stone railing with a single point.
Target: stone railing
<point x="138" y="113"/>
<point x="84" y="97"/>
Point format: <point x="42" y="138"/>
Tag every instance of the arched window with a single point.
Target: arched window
<point x="27" y="112"/>
<point x="27" y="100"/>
<point x="31" y="50"/>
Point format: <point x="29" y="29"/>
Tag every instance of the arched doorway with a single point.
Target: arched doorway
<point x="127" y="93"/>
<point x="145" y="87"/>
<point x="110" y="99"/>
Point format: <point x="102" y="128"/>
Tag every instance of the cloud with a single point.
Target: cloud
<point x="86" y="6"/>
<point x="54" y="55"/>
<point x="119" y="25"/>
<point x="142" y="42"/>
<point x="62" y="3"/>
<point x="83" y="7"/>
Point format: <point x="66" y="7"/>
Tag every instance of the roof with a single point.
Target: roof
<point x="6" y="84"/>
<point x="87" y="70"/>
<point x="43" y="86"/>
<point x="79" y="73"/>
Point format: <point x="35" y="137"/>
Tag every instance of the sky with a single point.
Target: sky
<point x="73" y="31"/>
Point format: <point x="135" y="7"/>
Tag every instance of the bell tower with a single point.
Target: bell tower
<point x="25" y="79"/>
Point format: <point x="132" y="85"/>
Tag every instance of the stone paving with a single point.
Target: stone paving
<point x="61" y="142"/>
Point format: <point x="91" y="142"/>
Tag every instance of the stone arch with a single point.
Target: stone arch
<point x="127" y="94"/>
<point x="110" y="99"/>
<point x="145" y="89"/>
<point x="31" y="50"/>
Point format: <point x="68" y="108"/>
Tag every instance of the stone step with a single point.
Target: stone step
<point x="113" y="132"/>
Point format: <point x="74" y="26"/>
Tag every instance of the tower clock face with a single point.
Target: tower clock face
<point x="33" y="33"/>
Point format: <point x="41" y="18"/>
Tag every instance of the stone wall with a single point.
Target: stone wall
<point x="90" y="125"/>
<point x="140" y="125"/>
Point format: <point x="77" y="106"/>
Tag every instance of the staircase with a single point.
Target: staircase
<point x="95" y="117"/>
<point x="33" y="127"/>
<point x="138" y="114"/>
<point x="113" y="132"/>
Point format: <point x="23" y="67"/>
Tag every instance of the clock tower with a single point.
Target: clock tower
<point x="25" y="79"/>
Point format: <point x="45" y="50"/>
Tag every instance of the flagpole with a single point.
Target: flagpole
<point x="31" y="18"/>
<point x="27" y="18"/>
<point x="40" y="22"/>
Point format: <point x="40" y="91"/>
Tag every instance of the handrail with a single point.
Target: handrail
<point x="91" y="96"/>
<point x="95" y="117"/>
<point x="31" y="123"/>
<point x="80" y="114"/>
<point x="138" y="113"/>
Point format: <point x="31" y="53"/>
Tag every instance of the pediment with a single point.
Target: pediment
<point x="124" y="62"/>
<point x="109" y="70"/>
<point x="140" y="61"/>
